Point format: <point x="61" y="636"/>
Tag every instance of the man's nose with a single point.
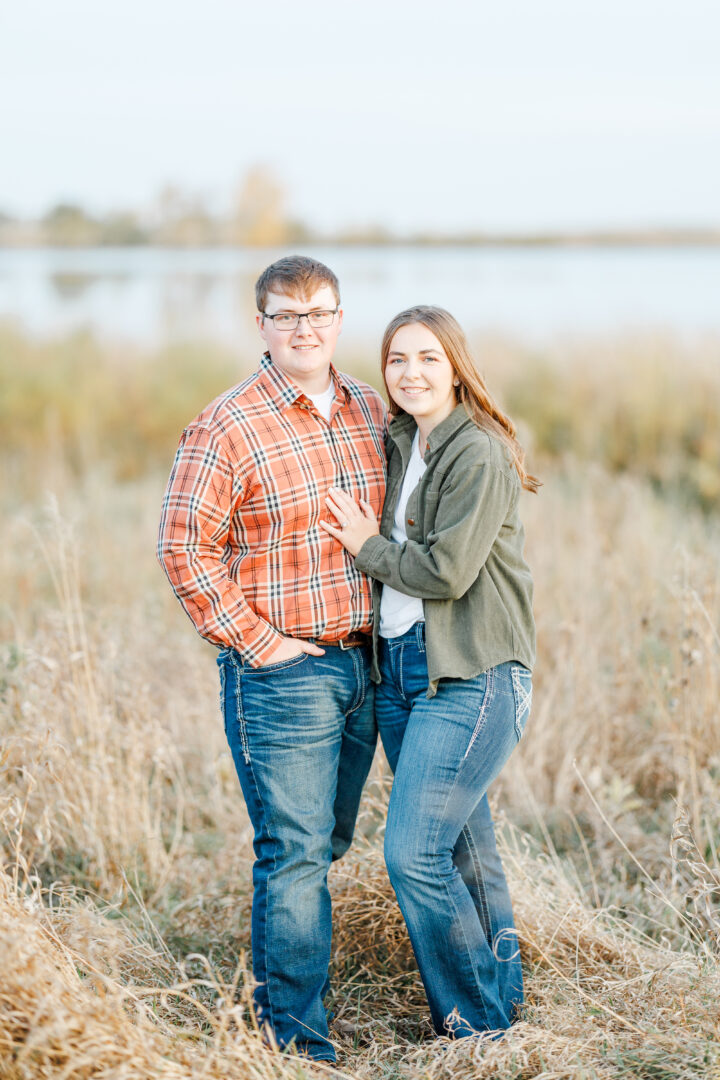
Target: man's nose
<point x="304" y="327"/>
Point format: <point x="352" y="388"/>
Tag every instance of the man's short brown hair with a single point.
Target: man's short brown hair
<point x="297" y="276"/>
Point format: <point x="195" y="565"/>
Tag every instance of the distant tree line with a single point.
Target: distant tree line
<point x="258" y="217"/>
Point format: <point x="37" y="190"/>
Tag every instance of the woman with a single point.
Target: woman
<point x="454" y="647"/>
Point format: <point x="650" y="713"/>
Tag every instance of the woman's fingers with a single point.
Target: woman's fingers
<point x="343" y="500"/>
<point x="335" y="531"/>
<point x="354" y="520"/>
<point x="336" y="510"/>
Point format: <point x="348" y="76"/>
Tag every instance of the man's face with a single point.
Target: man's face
<point x="304" y="354"/>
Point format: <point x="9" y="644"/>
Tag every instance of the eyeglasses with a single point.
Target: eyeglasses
<point x="290" y="320"/>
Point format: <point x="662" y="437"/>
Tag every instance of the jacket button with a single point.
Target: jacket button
<point x="411" y="521"/>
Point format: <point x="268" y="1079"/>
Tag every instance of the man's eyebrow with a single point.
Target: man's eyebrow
<point x="289" y="311"/>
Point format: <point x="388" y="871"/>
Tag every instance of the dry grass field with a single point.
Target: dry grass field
<point x="126" y="849"/>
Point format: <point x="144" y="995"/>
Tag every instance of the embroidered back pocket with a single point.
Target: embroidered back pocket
<point x="522" y="692"/>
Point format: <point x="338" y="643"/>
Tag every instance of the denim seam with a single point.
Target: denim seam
<point x="468" y="950"/>
<point x="399" y="667"/>
<point x="358" y="667"/>
<point x="266" y="822"/>
<point x="441" y="818"/>
<point x="482" y="716"/>
<point x="239" y="712"/>
<point x="479" y="881"/>
<point x="222" y="690"/>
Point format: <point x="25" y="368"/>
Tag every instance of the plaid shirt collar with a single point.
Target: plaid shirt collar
<point x="286" y="392"/>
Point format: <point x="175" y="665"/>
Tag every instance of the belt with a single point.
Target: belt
<point x="357" y="637"/>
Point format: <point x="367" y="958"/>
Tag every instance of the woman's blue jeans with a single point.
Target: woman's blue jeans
<point x="302" y="735"/>
<point x="440" y="841"/>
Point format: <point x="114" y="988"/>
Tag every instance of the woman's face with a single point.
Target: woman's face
<point x="419" y="376"/>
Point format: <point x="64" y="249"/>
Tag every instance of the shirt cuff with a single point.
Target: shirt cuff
<point x="258" y="646"/>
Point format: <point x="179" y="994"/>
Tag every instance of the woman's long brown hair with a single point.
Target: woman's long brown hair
<point x="472" y="390"/>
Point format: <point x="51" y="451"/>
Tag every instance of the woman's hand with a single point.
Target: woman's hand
<point x="356" y="522"/>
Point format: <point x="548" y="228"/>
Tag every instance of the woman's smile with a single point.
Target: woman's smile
<point x="419" y="376"/>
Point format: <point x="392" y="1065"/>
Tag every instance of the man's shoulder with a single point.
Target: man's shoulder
<point x="365" y="394"/>
<point x="232" y="407"/>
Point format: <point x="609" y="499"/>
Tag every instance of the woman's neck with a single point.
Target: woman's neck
<point x="423" y="435"/>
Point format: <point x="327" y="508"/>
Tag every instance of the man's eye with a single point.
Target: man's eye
<point x="283" y="320"/>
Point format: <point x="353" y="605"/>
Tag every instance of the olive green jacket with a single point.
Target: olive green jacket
<point x="464" y="552"/>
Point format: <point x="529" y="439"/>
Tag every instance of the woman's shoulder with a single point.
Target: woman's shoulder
<point x="475" y="446"/>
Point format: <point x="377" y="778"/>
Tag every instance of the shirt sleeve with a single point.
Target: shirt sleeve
<point x="202" y="495"/>
<point x="470" y="513"/>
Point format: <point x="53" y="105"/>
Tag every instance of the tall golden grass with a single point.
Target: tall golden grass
<point x="125" y="885"/>
<point x="648" y="406"/>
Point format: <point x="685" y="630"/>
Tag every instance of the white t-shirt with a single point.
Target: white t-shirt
<point x="323" y="402"/>
<point x="398" y="611"/>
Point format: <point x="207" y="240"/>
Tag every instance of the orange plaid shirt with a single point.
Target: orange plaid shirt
<point x="240" y="538"/>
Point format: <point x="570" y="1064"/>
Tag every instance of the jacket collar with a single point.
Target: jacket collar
<point x="402" y="431"/>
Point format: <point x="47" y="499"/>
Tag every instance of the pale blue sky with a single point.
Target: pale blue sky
<point x="442" y="114"/>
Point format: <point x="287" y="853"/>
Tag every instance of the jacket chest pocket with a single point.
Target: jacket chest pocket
<point x="424" y="510"/>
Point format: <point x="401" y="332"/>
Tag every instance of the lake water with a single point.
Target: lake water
<point x="151" y="296"/>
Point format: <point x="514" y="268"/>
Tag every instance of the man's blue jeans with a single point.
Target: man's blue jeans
<point x="440" y="841"/>
<point x="302" y="735"/>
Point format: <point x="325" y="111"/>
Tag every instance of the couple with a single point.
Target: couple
<point x="331" y="627"/>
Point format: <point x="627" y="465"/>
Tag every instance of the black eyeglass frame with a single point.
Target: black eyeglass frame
<point x="300" y="315"/>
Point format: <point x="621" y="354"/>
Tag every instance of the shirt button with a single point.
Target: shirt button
<point x="411" y="521"/>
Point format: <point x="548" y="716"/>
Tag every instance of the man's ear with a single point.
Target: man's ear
<point x="260" y="323"/>
<point x="339" y="318"/>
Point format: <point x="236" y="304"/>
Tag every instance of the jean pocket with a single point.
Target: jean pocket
<point x="487" y="695"/>
<point x="221" y="668"/>
<point x="522" y="692"/>
<point x="224" y="661"/>
<point x="281" y="665"/>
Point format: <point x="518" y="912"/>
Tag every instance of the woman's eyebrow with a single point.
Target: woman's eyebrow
<point x="422" y="352"/>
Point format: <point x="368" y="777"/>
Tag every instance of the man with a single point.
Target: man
<point x="241" y="543"/>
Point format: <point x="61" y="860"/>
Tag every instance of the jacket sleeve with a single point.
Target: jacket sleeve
<point x="470" y="513"/>
<point x="202" y="494"/>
